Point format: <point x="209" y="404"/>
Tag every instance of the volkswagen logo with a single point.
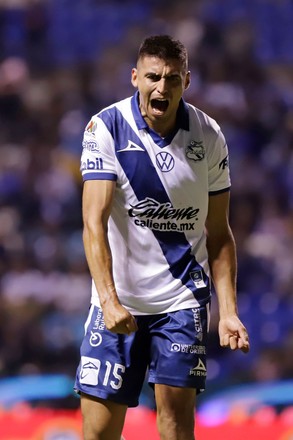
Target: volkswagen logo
<point x="165" y="161"/>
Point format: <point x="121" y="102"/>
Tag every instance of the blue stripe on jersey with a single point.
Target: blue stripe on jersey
<point x="99" y="176"/>
<point x="145" y="182"/>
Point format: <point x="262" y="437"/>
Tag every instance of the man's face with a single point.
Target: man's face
<point x="161" y="85"/>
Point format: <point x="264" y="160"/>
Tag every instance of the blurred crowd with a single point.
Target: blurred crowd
<point x="62" y="61"/>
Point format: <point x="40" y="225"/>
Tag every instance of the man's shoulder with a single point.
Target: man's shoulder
<point x="203" y="119"/>
<point x="123" y="104"/>
<point x="110" y="117"/>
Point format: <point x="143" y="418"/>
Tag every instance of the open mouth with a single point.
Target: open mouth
<point x="159" y="105"/>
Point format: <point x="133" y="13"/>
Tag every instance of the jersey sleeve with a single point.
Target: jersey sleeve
<point x="218" y="161"/>
<point x="98" y="161"/>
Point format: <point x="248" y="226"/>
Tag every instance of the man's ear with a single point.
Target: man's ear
<point x="187" y="80"/>
<point x="134" y="77"/>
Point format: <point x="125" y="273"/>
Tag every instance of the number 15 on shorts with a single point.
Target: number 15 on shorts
<point x="92" y="372"/>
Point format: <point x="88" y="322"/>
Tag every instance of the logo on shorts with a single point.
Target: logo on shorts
<point x="197" y="324"/>
<point x="199" y="370"/>
<point x="95" y="339"/>
<point x="175" y="347"/>
<point x="99" y="323"/>
<point x="187" y="348"/>
<point x="89" y="370"/>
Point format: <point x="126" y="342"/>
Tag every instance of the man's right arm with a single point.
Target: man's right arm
<point x="96" y="208"/>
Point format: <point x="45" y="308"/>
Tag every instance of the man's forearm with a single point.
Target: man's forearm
<point x="223" y="265"/>
<point x="99" y="261"/>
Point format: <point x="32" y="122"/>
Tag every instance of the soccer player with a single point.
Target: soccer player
<point x="156" y="235"/>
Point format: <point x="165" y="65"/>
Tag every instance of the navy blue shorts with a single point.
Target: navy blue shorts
<point x="169" y="347"/>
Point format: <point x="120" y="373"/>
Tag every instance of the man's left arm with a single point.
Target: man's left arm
<point x="223" y="265"/>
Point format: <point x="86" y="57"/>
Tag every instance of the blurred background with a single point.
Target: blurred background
<point x="61" y="62"/>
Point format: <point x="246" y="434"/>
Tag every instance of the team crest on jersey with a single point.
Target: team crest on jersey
<point x="195" y="151"/>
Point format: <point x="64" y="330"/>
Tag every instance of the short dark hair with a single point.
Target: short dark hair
<point x="164" y="47"/>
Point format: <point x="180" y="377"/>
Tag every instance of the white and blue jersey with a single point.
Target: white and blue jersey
<point x="157" y="224"/>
